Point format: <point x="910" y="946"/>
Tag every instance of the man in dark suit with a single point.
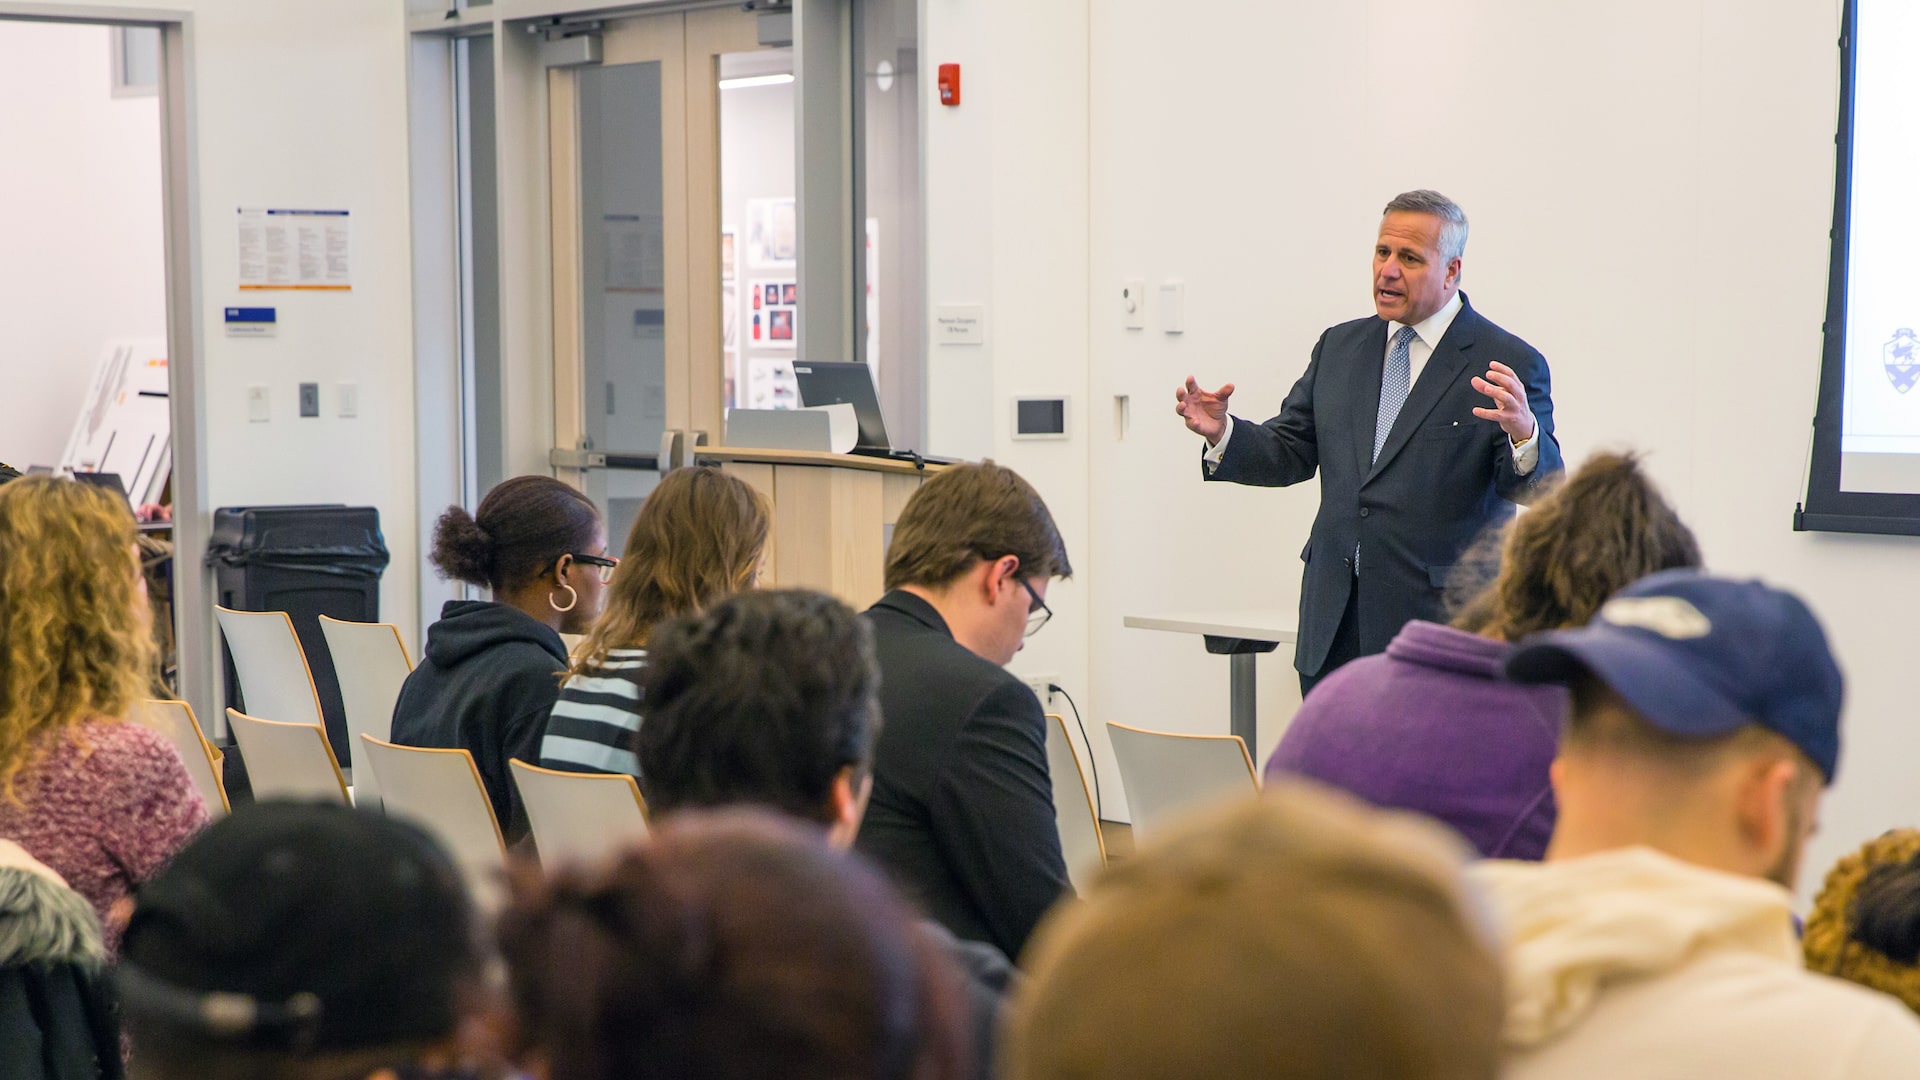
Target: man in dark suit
<point x="1414" y="462"/>
<point x="962" y="806"/>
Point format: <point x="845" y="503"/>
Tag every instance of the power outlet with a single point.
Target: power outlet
<point x="1038" y="684"/>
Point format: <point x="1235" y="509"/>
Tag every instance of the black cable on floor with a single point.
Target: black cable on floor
<point x="1093" y="763"/>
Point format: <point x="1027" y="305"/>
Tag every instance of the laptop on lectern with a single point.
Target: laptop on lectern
<point x="841" y="383"/>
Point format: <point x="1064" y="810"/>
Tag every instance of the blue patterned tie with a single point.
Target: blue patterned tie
<point x="1395" y="382"/>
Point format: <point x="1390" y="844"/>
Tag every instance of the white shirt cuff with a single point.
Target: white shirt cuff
<point x="1218" y="450"/>
<point x="1525" y="455"/>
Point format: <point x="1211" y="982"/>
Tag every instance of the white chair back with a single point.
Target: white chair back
<point x="288" y="761"/>
<point x="1073" y="809"/>
<point x="1168" y="776"/>
<point x="371" y="662"/>
<point x="274" y="677"/>
<point x="440" y="790"/>
<point x="580" y="817"/>
<point x="175" y="720"/>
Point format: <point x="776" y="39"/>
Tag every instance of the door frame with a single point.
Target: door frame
<point x="195" y="636"/>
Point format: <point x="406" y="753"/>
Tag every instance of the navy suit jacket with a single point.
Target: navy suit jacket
<point x="1443" y="477"/>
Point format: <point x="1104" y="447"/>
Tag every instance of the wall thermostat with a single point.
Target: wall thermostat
<point x="1039" y="418"/>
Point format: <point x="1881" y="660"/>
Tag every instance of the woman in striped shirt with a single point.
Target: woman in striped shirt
<point x="700" y="537"/>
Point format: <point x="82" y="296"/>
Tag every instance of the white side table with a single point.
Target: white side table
<point x="1241" y="636"/>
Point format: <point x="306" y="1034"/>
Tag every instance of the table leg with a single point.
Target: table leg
<point x="1244" y="720"/>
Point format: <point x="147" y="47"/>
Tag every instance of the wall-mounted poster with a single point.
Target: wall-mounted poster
<point x="774" y="314"/>
<point x="726" y="253"/>
<point x="772" y="239"/>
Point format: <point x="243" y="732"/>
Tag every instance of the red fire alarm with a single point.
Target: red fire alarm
<point x="949" y="84"/>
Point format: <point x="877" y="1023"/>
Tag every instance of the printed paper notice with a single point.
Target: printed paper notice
<point x="295" y="249"/>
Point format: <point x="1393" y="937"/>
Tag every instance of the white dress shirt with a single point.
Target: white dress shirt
<point x="1426" y="334"/>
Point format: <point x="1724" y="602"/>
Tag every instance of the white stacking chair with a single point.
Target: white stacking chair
<point x="288" y="761"/>
<point x="175" y="720"/>
<point x="1080" y="840"/>
<point x="371" y="662"/>
<point x="579" y="817"/>
<point x="1168" y="776"/>
<point x="274" y="677"/>
<point x="440" y="790"/>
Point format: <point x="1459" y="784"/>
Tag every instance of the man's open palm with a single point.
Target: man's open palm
<point x="1204" y="411"/>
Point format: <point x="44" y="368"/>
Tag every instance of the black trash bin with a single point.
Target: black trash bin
<point x="307" y="561"/>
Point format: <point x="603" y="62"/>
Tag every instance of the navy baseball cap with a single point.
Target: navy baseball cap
<point x="1699" y="656"/>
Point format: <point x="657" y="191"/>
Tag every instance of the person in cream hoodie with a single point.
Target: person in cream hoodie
<point x="1657" y="940"/>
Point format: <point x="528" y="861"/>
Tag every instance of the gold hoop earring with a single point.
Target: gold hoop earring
<point x="573" y="598"/>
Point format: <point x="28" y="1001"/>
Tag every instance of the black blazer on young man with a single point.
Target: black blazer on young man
<point x="962" y="808"/>
<point x="1443" y="476"/>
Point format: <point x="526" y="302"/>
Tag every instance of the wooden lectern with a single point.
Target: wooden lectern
<point x="832" y="515"/>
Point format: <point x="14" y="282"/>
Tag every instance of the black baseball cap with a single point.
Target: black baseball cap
<point x="1699" y="656"/>
<point x="305" y="927"/>
<point x="8" y="472"/>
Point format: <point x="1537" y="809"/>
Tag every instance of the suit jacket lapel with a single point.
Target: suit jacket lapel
<point x="1448" y="360"/>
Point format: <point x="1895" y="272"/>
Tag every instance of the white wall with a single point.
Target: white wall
<point x="295" y="106"/>
<point x="1650" y="185"/>
<point x="83" y="259"/>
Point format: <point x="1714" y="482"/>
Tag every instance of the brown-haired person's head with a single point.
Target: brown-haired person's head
<point x="768" y="699"/>
<point x="1299" y="935"/>
<point x="76" y="633"/>
<point x="731" y="944"/>
<point x="537" y="543"/>
<point x="700" y="536"/>
<point x="1865" y="925"/>
<point x="977" y="542"/>
<point x="1602" y="528"/>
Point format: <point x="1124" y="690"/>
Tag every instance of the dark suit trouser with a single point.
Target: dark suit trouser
<point x="1346" y="642"/>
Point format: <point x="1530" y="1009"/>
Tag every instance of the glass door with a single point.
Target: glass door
<point x="648" y="272"/>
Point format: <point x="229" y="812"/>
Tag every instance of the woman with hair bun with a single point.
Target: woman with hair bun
<point x="492" y="667"/>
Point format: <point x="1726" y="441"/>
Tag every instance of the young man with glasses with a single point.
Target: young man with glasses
<point x="962" y="806"/>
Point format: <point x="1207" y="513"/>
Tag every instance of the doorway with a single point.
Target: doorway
<point x="675" y="252"/>
<point x="99" y="296"/>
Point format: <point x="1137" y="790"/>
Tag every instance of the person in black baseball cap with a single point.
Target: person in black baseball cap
<point x="1657" y="940"/>
<point x="298" y="941"/>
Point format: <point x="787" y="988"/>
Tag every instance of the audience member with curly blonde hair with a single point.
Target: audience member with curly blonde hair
<point x="1865" y="926"/>
<point x="103" y="802"/>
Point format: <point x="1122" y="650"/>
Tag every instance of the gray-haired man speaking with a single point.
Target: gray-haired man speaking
<point x="1426" y="423"/>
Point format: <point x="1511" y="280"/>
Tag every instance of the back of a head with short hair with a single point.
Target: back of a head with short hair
<point x="522" y="528"/>
<point x="1865" y="925"/>
<point x="967" y="513"/>
<point x="699" y="537"/>
<point x="1300" y="935"/>
<point x="1602" y="528"/>
<point x="763" y="698"/>
<point x="731" y="944"/>
<point x="1453" y="220"/>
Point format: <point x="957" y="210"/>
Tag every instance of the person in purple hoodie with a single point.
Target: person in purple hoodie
<point x="1432" y="725"/>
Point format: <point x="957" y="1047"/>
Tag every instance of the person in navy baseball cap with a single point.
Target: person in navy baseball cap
<point x="1698" y="656"/>
<point x="1656" y="939"/>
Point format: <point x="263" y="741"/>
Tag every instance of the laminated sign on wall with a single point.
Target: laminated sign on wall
<point x="296" y="249"/>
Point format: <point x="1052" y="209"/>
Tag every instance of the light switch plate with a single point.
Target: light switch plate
<point x="309" y="399"/>
<point x="1173" y="307"/>
<point x="1133" y="303"/>
<point x="348" y="395"/>
<point x="258" y="410"/>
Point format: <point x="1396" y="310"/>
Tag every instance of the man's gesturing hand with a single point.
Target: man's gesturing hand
<point x="1205" y="413"/>
<point x="1510" y="409"/>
